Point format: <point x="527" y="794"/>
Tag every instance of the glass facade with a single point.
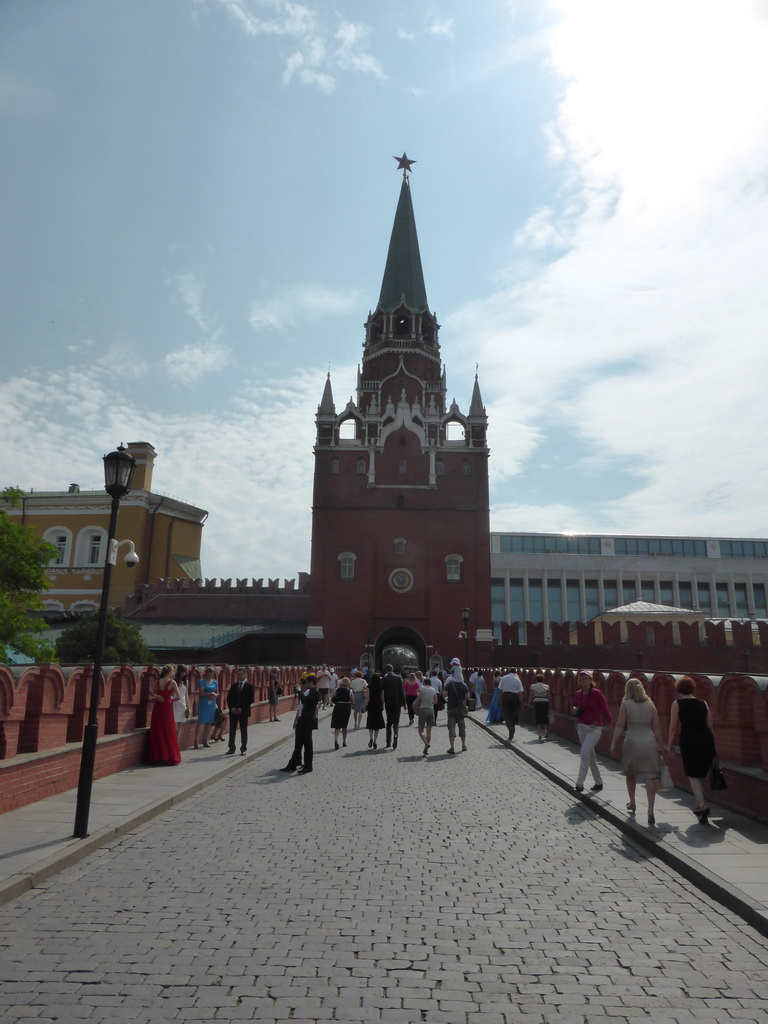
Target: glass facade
<point x="660" y="546"/>
<point x="555" y="600"/>
<point x="705" y="598"/>
<point x="743" y="549"/>
<point x="535" y="601"/>
<point x="554" y="544"/>
<point x="541" y="591"/>
<point x="573" y="600"/>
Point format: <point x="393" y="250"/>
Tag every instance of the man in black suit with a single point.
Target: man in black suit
<point x="303" y="725"/>
<point x="239" y="700"/>
<point x="394" y="702"/>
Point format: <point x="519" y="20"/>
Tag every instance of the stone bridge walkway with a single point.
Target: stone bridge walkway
<point x="385" y="888"/>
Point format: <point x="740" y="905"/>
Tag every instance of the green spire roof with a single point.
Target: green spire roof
<point x="403" y="282"/>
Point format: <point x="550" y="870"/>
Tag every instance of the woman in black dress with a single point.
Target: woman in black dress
<point x="697" y="740"/>
<point x="375" y="719"/>
<point x="342" y="709"/>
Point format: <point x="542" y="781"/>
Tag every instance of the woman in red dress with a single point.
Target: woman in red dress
<point x="163" y="744"/>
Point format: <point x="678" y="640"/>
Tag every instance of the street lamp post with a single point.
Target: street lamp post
<point x="465" y="618"/>
<point x="118" y="471"/>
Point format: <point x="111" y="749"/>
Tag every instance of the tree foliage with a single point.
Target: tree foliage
<point x="23" y="558"/>
<point x="123" y="644"/>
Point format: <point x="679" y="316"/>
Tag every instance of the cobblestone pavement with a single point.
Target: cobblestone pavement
<point x="386" y="888"/>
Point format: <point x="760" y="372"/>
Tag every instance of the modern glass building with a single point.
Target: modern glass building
<point x="552" y="578"/>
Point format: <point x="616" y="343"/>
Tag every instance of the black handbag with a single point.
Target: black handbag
<point x="716" y="776"/>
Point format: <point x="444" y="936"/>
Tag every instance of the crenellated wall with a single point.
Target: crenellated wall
<point x="739" y="705"/>
<point x="44" y="710"/>
<point x="199" y="600"/>
<point x="735" y="647"/>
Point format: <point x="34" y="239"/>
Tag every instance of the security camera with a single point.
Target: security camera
<point x="131" y="559"/>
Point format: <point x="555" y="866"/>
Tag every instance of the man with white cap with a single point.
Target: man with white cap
<point x="456" y="691"/>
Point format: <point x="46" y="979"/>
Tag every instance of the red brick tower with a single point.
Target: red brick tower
<point x="400" y="528"/>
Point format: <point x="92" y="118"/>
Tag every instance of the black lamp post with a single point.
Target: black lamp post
<point x="118" y="470"/>
<point x="465" y="617"/>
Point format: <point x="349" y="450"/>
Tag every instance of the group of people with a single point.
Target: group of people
<point x="643" y="754"/>
<point x="382" y="698"/>
<point x="171" y="706"/>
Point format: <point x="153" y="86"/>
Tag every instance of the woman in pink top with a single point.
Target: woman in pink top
<point x="591" y="708"/>
<point x="411" y="686"/>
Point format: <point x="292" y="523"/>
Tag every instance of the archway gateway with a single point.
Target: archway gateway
<point x="400" y="647"/>
<point x="399" y="656"/>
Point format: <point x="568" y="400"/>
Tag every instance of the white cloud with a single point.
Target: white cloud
<point x="309" y="302"/>
<point x="248" y="460"/>
<point x="192" y="290"/>
<point x="441" y="27"/>
<point x="645" y="338"/>
<point x="323" y="50"/>
<point x="190" y="363"/>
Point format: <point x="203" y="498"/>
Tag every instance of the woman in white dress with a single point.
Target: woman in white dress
<point x="181" y="706"/>
<point x="643" y="745"/>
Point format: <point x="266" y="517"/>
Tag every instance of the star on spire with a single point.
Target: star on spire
<point x="403" y="163"/>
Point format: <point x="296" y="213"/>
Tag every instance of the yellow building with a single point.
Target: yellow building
<point x="166" y="532"/>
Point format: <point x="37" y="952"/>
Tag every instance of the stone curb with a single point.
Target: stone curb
<point x="710" y="884"/>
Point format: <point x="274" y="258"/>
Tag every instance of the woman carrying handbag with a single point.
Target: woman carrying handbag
<point x="697" y="740"/>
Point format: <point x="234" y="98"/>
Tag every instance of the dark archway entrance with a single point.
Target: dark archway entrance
<point x="400" y="647"/>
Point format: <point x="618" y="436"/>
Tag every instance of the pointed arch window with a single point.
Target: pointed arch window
<point x="466" y="469"/>
<point x="439" y="468"/>
<point x="361" y="467"/>
<point x="334" y="465"/>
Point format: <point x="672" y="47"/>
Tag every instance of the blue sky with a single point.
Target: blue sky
<point x="197" y="200"/>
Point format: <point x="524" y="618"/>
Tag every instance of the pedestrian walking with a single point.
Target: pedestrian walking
<point x="477" y="688"/>
<point x="360" y="693"/>
<point x="239" y="700"/>
<point x="510" y="698"/>
<point x="207" y="693"/>
<point x="394" y="702"/>
<point x="274" y="693"/>
<point x="495" y="715"/>
<point x="591" y="708"/>
<point x="539" y="698"/>
<point x="342" y="709"/>
<point x="424" y="707"/>
<point x="411" y="687"/>
<point x="324" y="684"/>
<point x="436" y="681"/>
<point x="643" y="744"/>
<point x="181" y="706"/>
<point x="697" y="740"/>
<point x="375" y="718"/>
<point x="456" y="712"/>
<point x="304" y="725"/>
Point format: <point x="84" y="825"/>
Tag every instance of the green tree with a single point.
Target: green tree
<point x="23" y="558"/>
<point x="123" y="644"/>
